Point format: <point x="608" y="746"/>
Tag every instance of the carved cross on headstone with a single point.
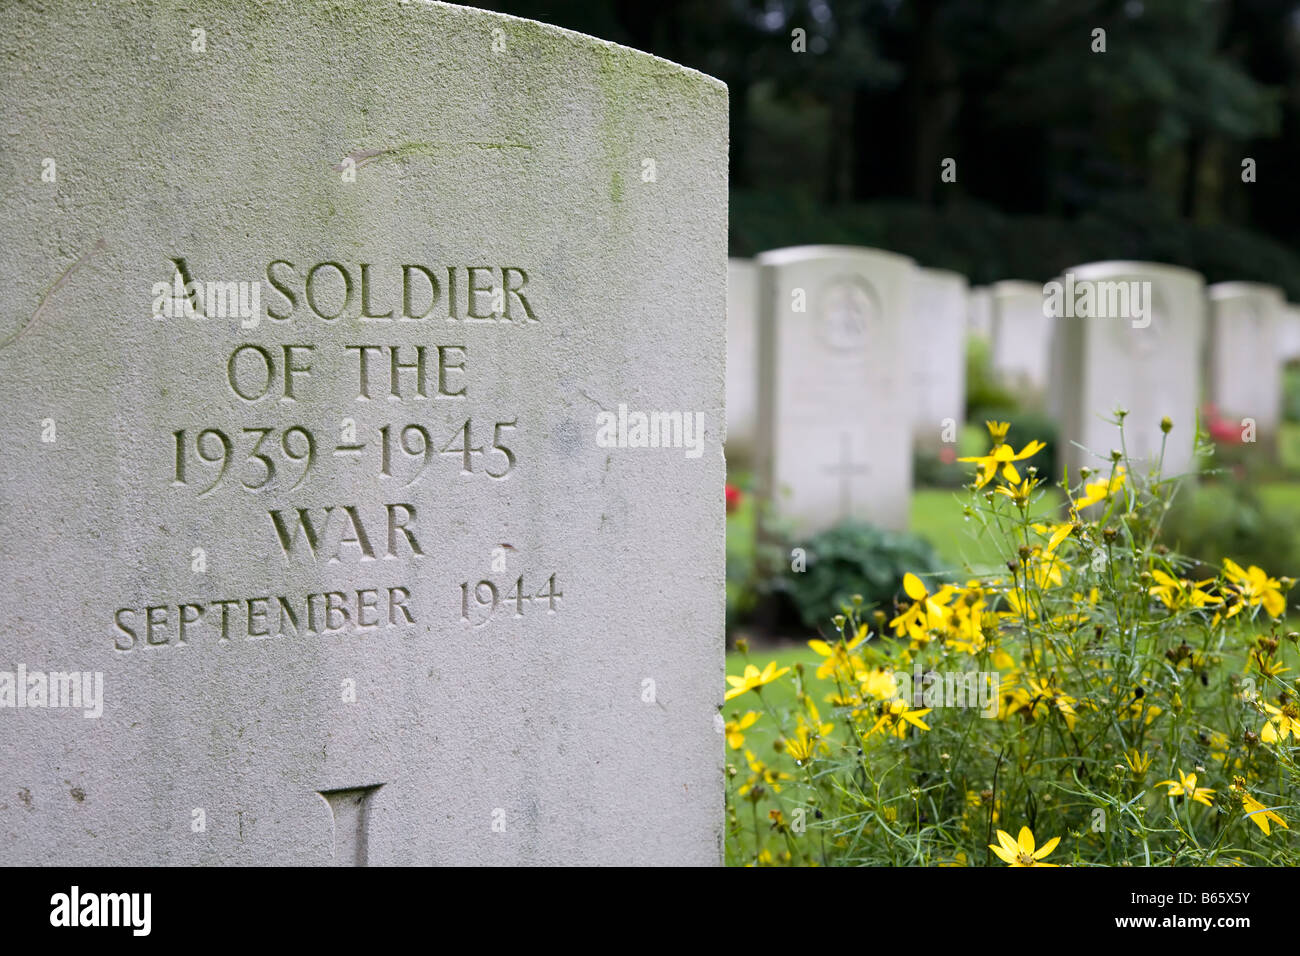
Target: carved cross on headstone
<point x="846" y="469"/>
<point x="350" y="810"/>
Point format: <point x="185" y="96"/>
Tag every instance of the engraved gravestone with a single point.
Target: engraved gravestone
<point x="1243" y="359"/>
<point x="936" y="333"/>
<point x="361" y="478"/>
<point x="835" y="415"/>
<point x="742" y="358"/>
<point x="1147" y="361"/>
<point x="1020" y="346"/>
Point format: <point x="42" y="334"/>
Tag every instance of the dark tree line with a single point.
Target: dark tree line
<point x="1062" y="152"/>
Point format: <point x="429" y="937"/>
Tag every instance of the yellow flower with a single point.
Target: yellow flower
<point x="926" y="613"/>
<point x="1018" y="493"/>
<point x="753" y="679"/>
<point x="1138" y="764"/>
<point x="1255" y="587"/>
<point x="1284" y="723"/>
<point x="735" y="729"/>
<point x="1055" y="534"/>
<point x="809" y="737"/>
<point x="1103" y="488"/>
<point x="1039" y="699"/>
<point x="1177" y="593"/>
<point x="760" y="773"/>
<point x="897" y="717"/>
<point x="1021" y="852"/>
<point x="839" y="655"/>
<point x="1001" y="457"/>
<point x="1186" y="787"/>
<point x="880" y="684"/>
<point x="1256" y="812"/>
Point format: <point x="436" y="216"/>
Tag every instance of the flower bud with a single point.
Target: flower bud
<point x="1166" y="424"/>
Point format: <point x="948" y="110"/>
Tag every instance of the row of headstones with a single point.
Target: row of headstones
<point x="843" y="360"/>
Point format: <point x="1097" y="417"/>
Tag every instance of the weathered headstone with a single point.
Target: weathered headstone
<point x="936" y="335"/>
<point x="1138" y="348"/>
<point x="979" y="313"/>
<point x="1243" y="370"/>
<point x="1021" y="336"/>
<point x="742" y="358"/>
<point x="835" y="421"/>
<point x="385" y="573"/>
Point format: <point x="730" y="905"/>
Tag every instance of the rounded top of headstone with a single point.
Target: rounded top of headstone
<point x="1015" y="287"/>
<point x="1121" y="268"/>
<point x="658" y="63"/>
<point x="1236" y="289"/>
<point x="862" y="254"/>
<point x="943" y="275"/>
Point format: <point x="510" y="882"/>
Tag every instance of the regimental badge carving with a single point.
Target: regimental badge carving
<point x="849" y="315"/>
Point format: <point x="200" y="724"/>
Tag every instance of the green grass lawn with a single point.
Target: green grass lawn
<point x="962" y="542"/>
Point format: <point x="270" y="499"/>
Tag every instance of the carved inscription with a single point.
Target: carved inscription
<point x="262" y="455"/>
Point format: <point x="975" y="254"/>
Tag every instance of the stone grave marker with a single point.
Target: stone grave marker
<point x="1243" y="356"/>
<point x="979" y="313"/>
<point x="835" y="422"/>
<point x="1021" y="336"/>
<point x="363" y="390"/>
<point x="742" y="358"/>
<point x="1144" y="357"/>
<point x="936" y="333"/>
<point x="1289" y="334"/>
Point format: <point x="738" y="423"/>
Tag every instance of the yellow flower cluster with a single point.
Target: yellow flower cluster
<point x="1110" y="659"/>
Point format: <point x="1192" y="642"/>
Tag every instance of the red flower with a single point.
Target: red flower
<point x="733" y="498"/>
<point x="1222" y="430"/>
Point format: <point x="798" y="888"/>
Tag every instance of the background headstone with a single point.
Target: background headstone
<point x="979" y="312"/>
<point x="936" y="334"/>
<point x="1289" y="334"/>
<point x="1243" y="361"/>
<point x="835" y="423"/>
<point x="1152" y="371"/>
<point x="1021" y="336"/>
<point x="508" y="644"/>
<point x="742" y="358"/>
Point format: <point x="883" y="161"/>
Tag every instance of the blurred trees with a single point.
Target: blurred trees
<point x="1063" y="153"/>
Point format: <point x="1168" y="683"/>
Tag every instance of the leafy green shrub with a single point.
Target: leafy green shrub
<point x="983" y="390"/>
<point x="853" y="558"/>
<point x="929" y="470"/>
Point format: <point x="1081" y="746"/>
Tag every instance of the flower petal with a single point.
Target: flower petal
<point x="1026" y="840"/>
<point x="913" y="586"/>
